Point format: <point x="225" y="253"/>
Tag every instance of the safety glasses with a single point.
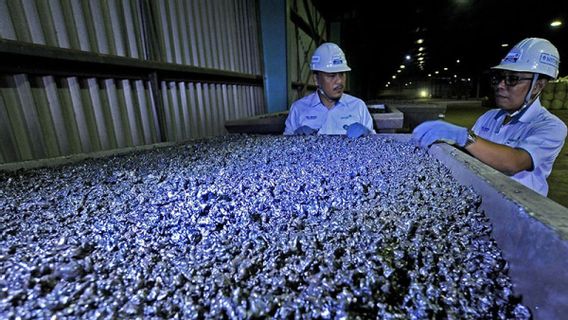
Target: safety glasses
<point x="511" y="80"/>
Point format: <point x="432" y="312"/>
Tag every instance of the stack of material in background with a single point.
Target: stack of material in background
<point x="554" y="95"/>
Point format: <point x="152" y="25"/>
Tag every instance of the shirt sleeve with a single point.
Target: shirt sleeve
<point x="366" y="118"/>
<point x="291" y="121"/>
<point x="544" y="142"/>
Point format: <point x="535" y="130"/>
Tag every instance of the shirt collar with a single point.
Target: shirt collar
<point x="315" y="100"/>
<point x="525" y="115"/>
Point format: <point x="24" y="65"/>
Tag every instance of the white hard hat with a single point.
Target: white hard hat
<point x="329" y="58"/>
<point x="534" y="55"/>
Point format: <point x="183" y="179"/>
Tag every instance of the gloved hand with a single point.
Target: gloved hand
<point x="431" y="131"/>
<point x="305" y="131"/>
<point x="356" y="130"/>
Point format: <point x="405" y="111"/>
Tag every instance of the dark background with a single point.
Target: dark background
<point x="376" y="35"/>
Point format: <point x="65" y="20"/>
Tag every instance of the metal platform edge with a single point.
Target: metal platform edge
<point x="530" y="229"/>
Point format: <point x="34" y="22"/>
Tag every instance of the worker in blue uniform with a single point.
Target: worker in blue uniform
<point x="329" y="110"/>
<point x="520" y="138"/>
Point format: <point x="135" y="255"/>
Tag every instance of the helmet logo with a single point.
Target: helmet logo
<point x="336" y="60"/>
<point x="549" y="59"/>
<point x="315" y="59"/>
<point x="511" y="57"/>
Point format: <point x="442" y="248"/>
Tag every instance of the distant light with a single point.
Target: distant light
<point x="455" y="75"/>
<point x="436" y="72"/>
<point x="429" y="74"/>
<point x="420" y="58"/>
<point x="386" y="85"/>
<point x="458" y="61"/>
<point x="419" y="41"/>
<point x="423" y="93"/>
<point x="556" y="23"/>
<point x="408" y="57"/>
<point x="402" y="66"/>
<point x="394" y="77"/>
<point x="445" y="69"/>
<point x="406" y="84"/>
<point x="421" y="49"/>
<point x="398" y="71"/>
<point x="410" y="82"/>
<point x="504" y="45"/>
<point x="468" y="79"/>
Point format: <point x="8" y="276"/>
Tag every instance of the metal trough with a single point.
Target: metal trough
<point x="531" y="230"/>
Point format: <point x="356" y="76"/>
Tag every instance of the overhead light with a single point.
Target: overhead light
<point x="419" y="41"/>
<point x="394" y="77"/>
<point x="420" y="58"/>
<point x="436" y="72"/>
<point x="408" y="57"/>
<point x="429" y="74"/>
<point x="402" y="66"/>
<point x="398" y="71"/>
<point x="421" y="49"/>
<point x="423" y="93"/>
<point x="458" y="61"/>
<point x="504" y="45"/>
<point x="445" y="69"/>
<point x="556" y="23"/>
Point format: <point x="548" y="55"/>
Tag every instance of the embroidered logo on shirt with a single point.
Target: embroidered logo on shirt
<point x="345" y="117"/>
<point x="485" y="129"/>
<point x="311" y="117"/>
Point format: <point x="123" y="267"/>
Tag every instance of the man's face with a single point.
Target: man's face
<point x="510" y="88"/>
<point x="332" y="84"/>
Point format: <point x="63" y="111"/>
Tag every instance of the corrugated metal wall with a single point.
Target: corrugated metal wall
<point x="303" y="45"/>
<point x="50" y="116"/>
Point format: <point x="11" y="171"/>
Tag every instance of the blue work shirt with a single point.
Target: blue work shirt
<point x="534" y="130"/>
<point x="310" y="111"/>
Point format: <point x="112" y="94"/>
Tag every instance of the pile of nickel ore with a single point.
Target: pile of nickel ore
<point x="247" y="226"/>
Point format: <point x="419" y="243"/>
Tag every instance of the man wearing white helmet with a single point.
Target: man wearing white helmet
<point x="329" y="110"/>
<point x="521" y="138"/>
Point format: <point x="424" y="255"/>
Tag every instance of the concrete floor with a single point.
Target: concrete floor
<point x="465" y="114"/>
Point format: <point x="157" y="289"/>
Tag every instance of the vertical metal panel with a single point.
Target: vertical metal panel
<point x="175" y="34"/>
<point x="231" y="26"/>
<point x="8" y="143"/>
<point x="19" y="21"/>
<point x="115" y="27"/>
<point x="80" y="31"/>
<point x="182" y="20"/>
<point x="170" y="128"/>
<point x="6" y="25"/>
<point x="52" y="23"/>
<point x="51" y="116"/>
<point x="32" y="19"/>
<point x="147" y="112"/>
<point x="74" y="115"/>
<point x="184" y="111"/>
<point x="127" y="119"/>
<point x="94" y="114"/>
<point x="102" y="26"/>
<point x="194" y="111"/>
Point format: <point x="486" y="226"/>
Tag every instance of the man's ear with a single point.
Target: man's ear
<point x="540" y="84"/>
<point x="315" y="77"/>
